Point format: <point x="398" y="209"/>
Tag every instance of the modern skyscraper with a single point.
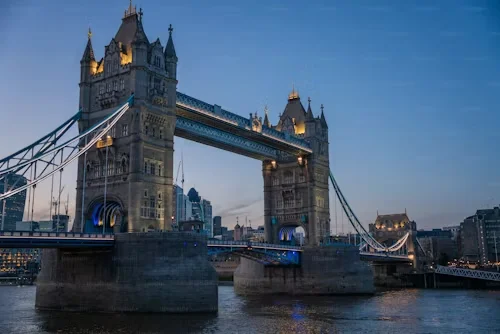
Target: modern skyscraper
<point x="207" y="217"/>
<point x="12" y="208"/>
<point x="202" y="210"/>
<point x="217" y="225"/>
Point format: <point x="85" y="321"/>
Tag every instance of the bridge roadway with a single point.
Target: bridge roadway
<point x="92" y="240"/>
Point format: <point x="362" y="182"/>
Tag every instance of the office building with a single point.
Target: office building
<point x="12" y="208"/>
<point x="217" y="225"/>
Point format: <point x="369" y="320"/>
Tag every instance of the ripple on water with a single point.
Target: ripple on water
<point x="403" y="311"/>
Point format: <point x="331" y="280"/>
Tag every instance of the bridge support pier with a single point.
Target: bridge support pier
<point x="143" y="272"/>
<point x="324" y="270"/>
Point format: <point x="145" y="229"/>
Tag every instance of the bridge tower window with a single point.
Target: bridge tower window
<point x="159" y="170"/>
<point x="288" y="177"/>
<point x="115" y="85"/>
<point x="122" y="84"/>
<point x="276" y="181"/>
<point x="101" y="89"/>
<point x="124" y="130"/>
<point x="146" y="167"/>
<point x="152" y="169"/>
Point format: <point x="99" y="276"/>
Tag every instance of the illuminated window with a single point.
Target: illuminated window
<point x="320" y="201"/>
<point x="125" y="130"/>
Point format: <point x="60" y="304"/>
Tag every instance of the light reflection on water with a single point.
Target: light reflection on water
<point x="404" y="311"/>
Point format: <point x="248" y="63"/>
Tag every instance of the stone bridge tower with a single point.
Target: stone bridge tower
<point x="296" y="188"/>
<point x="135" y="160"/>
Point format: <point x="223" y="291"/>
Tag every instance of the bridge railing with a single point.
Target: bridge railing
<point x="69" y="235"/>
<point x="249" y="244"/>
<point x="470" y="273"/>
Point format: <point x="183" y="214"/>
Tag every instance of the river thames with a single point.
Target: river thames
<point x="403" y="311"/>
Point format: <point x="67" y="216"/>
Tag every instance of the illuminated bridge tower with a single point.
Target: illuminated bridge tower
<point x="128" y="175"/>
<point x="296" y="188"/>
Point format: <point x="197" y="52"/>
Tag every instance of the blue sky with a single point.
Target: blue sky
<point x="410" y="89"/>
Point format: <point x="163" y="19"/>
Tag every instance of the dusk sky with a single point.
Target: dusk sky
<point x="411" y="91"/>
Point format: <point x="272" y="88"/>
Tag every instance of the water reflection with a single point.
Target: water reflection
<point x="405" y="311"/>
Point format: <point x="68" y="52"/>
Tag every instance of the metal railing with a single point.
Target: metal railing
<point x="251" y="244"/>
<point x="470" y="273"/>
<point x="62" y="235"/>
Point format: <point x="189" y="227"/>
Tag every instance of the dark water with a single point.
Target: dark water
<point x="406" y="311"/>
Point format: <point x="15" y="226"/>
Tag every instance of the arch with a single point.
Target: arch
<point x="113" y="214"/>
<point x="286" y="233"/>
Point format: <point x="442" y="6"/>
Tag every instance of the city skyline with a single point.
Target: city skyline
<point x="400" y="123"/>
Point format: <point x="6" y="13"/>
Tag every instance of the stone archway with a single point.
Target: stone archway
<point x="287" y="234"/>
<point x="113" y="214"/>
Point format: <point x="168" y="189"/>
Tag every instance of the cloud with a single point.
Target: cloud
<point x="237" y="208"/>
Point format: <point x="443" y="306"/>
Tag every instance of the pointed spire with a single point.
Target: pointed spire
<point x="323" y="120"/>
<point x="309" y="115"/>
<point x="170" y="49"/>
<point x="140" y="35"/>
<point x="294" y="94"/>
<point x="266" y="117"/>
<point x="88" y="54"/>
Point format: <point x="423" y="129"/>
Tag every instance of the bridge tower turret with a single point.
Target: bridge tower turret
<point x="296" y="187"/>
<point x="138" y="171"/>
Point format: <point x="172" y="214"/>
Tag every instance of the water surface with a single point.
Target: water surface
<point x="404" y="311"/>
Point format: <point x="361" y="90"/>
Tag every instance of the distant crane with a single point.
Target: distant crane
<point x="179" y="167"/>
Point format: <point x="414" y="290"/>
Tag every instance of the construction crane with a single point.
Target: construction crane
<point x="181" y="165"/>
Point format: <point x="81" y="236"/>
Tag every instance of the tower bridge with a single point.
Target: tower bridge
<point x="130" y="111"/>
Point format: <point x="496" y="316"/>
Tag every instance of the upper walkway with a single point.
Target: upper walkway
<point x="210" y="124"/>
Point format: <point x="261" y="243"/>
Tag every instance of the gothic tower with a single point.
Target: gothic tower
<point x="138" y="170"/>
<point x="296" y="188"/>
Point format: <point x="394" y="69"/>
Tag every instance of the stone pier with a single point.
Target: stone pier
<point x="143" y="272"/>
<point x="324" y="270"/>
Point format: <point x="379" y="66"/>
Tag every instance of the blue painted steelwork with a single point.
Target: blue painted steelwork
<point x="216" y="112"/>
<point x="46" y="141"/>
<point x="201" y="130"/>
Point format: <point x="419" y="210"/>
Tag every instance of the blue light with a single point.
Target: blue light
<point x="293" y="252"/>
<point x="195" y="244"/>
<point x="185" y="244"/>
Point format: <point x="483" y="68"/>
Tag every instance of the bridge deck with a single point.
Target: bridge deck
<point x="54" y="240"/>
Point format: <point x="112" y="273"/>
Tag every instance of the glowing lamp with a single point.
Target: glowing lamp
<point x="273" y="164"/>
<point x="300" y="160"/>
